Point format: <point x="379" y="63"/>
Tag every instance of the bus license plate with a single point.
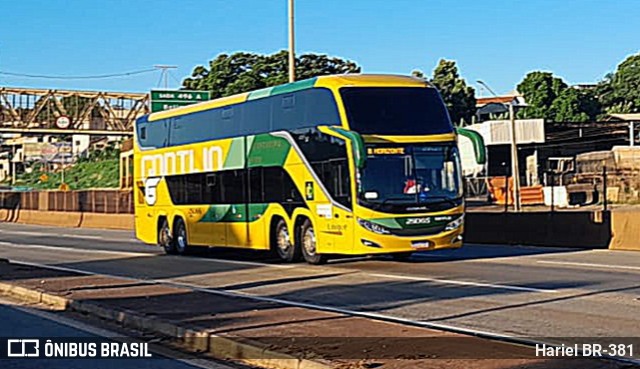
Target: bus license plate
<point x="421" y="244"/>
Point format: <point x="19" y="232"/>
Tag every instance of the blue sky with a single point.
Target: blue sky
<point x="495" y="41"/>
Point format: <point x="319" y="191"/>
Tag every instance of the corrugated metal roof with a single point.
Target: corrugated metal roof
<point x="629" y="116"/>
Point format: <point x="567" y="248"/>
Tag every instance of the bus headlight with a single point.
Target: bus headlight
<point x="375" y="228"/>
<point x="454" y="224"/>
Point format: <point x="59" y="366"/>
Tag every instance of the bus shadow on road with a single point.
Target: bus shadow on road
<point x="476" y="252"/>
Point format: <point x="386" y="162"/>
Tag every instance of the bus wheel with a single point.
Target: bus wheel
<point x="308" y="238"/>
<point x="164" y="238"/>
<point x="180" y="237"/>
<point x="401" y="256"/>
<point x="282" y="244"/>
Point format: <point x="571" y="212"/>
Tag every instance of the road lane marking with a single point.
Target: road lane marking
<point x="135" y="254"/>
<point x="72" y="249"/>
<point x="592" y="265"/>
<point x="26" y="233"/>
<point x="67" y="235"/>
<point x="251" y="296"/>
<point x="499" y="336"/>
<point x="464" y="283"/>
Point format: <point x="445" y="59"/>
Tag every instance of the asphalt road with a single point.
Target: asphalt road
<point x="28" y="322"/>
<point x="504" y="290"/>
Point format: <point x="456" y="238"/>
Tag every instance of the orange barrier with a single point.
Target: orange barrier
<point x="529" y="195"/>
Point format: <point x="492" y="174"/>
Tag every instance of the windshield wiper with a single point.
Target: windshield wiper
<point x="397" y="198"/>
<point x="452" y="201"/>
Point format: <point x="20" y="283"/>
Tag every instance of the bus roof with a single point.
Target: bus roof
<point x="332" y="81"/>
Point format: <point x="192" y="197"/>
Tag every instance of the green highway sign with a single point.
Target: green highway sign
<point x="169" y="99"/>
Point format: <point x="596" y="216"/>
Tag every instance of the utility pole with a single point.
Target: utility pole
<point x="292" y="56"/>
<point x="515" y="168"/>
<point x="165" y="72"/>
<point x="13" y="164"/>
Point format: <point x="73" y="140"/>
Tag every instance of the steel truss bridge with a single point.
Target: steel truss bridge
<point x="36" y="111"/>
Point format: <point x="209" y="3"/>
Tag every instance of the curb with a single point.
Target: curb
<point x="215" y="346"/>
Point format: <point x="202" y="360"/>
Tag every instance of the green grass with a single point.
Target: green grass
<point x="101" y="173"/>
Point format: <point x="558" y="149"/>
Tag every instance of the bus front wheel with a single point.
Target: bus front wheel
<point x="308" y="238"/>
<point x="287" y="251"/>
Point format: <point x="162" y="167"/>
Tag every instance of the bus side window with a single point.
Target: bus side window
<point x="143" y="133"/>
<point x="211" y="179"/>
<point x="288" y="101"/>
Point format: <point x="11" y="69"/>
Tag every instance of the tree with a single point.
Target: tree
<point x="242" y="72"/>
<point x="459" y="98"/>
<point x="540" y="89"/>
<point x="567" y="107"/>
<point x="620" y="92"/>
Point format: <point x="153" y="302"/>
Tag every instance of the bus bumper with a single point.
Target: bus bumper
<point x="371" y="243"/>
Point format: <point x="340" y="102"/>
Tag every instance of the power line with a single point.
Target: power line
<point x="99" y="76"/>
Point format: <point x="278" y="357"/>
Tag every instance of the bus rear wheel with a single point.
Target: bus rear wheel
<point x="180" y="237"/>
<point x="287" y="251"/>
<point x="165" y="239"/>
<point x="308" y="240"/>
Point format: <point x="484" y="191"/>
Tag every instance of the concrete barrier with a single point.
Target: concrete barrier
<point x="559" y="229"/>
<point x="68" y="219"/>
<point x="625" y="227"/>
<point x="619" y="230"/>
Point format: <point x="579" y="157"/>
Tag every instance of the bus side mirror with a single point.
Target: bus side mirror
<point x="357" y="144"/>
<point x="477" y="141"/>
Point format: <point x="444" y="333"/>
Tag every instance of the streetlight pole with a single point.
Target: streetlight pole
<point x="165" y="73"/>
<point x="292" y="57"/>
<point x="515" y="168"/>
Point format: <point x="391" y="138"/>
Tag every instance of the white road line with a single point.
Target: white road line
<point x="591" y="265"/>
<point x="26" y="233"/>
<point x="89" y="237"/>
<point x="255" y="297"/>
<point x="72" y="249"/>
<point x="139" y="254"/>
<point x="254" y="263"/>
<point x="501" y="336"/>
<point x="67" y="235"/>
<point x="464" y="283"/>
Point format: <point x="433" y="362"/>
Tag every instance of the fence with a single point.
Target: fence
<point x="599" y="189"/>
<point x="89" y="201"/>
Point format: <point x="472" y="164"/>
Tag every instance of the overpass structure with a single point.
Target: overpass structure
<point x="53" y="111"/>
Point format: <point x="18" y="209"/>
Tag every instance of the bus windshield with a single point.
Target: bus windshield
<point x="419" y="177"/>
<point x="395" y="111"/>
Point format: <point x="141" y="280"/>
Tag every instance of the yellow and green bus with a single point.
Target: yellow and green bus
<point x="333" y="165"/>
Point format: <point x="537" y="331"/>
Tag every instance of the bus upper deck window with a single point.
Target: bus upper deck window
<point x="288" y="101"/>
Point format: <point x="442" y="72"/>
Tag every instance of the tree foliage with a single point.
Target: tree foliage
<point x="567" y="107"/>
<point x="540" y="89"/>
<point x="457" y="95"/>
<point x="550" y="98"/>
<point x="620" y="92"/>
<point x="241" y="72"/>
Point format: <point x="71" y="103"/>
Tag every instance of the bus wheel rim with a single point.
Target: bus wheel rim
<point x="182" y="243"/>
<point x="284" y="240"/>
<point x="309" y="242"/>
<point x="165" y="236"/>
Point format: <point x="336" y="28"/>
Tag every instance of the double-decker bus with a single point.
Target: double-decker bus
<point x="348" y="164"/>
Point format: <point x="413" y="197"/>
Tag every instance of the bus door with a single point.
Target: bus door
<point x="334" y="218"/>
